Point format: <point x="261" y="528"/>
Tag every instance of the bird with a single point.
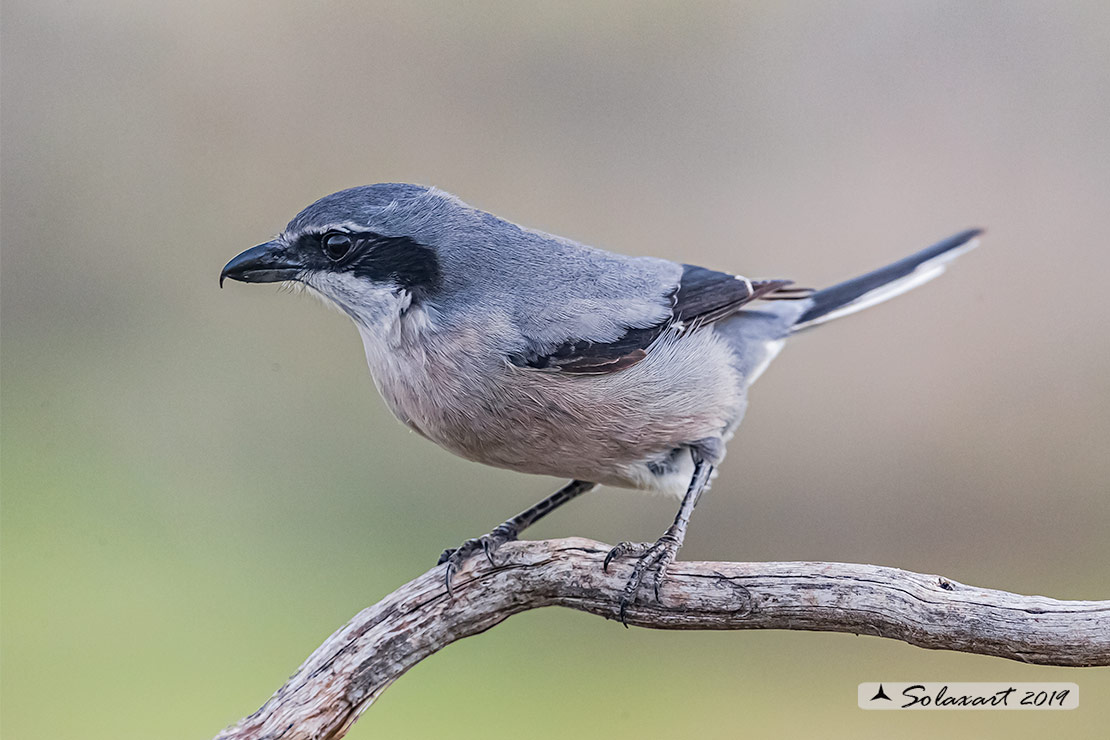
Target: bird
<point x="528" y="351"/>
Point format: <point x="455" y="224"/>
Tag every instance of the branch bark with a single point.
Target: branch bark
<point x="357" y="663"/>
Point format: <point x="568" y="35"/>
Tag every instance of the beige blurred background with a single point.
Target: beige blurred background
<point x="199" y="486"/>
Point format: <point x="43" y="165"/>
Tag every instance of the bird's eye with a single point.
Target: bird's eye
<point x="336" y="245"/>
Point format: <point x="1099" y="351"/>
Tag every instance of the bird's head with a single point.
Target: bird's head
<point x="372" y="251"/>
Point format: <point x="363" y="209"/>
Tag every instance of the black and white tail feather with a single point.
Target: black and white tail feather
<point x="885" y="283"/>
<point x="757" y="334"/>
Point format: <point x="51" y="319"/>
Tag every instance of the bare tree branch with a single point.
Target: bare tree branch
<point x="356" y="664"/>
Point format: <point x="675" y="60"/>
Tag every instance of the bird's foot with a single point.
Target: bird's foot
<point x="454" y="557"/>
<point x="659" y="554"/>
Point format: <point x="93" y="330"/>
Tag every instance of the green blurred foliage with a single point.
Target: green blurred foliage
<point x="199" y="486"/>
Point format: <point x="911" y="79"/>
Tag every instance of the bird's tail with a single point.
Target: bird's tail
<point x="886" y="282"/>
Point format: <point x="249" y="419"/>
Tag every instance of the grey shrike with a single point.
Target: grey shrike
<point x="532" y="352"/>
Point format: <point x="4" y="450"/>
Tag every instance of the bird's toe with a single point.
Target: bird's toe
<point x="488" y="544"/>
<point x="659" y="554"/>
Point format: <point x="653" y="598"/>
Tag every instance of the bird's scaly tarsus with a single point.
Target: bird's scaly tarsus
<point x="508" y="531"/>
<point x="661" y="553"/>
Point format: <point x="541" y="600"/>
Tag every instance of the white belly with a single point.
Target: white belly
<point x="616" y="429"/>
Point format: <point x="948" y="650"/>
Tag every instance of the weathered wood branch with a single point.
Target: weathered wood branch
<point x="357" y="663"/>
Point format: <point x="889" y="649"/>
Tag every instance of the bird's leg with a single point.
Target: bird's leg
<point x="663" y="551"/>
<point x="509" y="530"/>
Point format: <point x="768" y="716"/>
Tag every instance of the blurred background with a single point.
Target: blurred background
<point x="199" y="486"/>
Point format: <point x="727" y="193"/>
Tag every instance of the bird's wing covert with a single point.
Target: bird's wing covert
<point x="701" y="297"/>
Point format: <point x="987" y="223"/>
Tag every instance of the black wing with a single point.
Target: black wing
<point x="701" y="297"/>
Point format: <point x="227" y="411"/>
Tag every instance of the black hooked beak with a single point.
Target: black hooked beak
<point x="266" y="263"/>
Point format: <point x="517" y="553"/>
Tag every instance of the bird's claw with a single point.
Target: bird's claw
<point x="454" y="557"/>
<point x="624" y="549"/>
<point x="659" y="554"/>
